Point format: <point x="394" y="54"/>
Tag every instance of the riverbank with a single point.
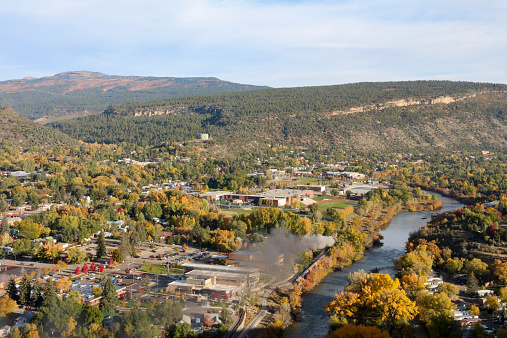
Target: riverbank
<point x="467" y="200"/>
<point x="344" y="254"/>
<point x="314" y="318"/>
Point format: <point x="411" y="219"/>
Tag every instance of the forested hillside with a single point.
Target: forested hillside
<point x="364" y="117"/>
<point x="74" y="94"/>
<point x="18" y="130"/>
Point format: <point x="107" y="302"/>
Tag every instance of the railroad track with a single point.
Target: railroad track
<point x="268" y="318"/>
<point x="232" y="331"/>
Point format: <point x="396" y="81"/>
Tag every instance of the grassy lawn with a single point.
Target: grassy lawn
<point x="335" y="204"/>
<point x="243" y="211"/>
<point x="160" y="269"/>
<point x="321" y="198"/>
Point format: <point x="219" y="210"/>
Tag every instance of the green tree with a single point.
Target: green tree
<point x="60" y="316"/>
<point x="137" y="323"/>
<point x="25" y="290"/>
<point x="313" y="208"/>
<point x="109" y="300"/>
<point x="472" y="284"/>
<point x="5" y="228"/>
<point x="22" y="247"/>
<point x="37" y="294"/>
<point x="449" y="289"/>
<point x="30" y="230"/>
<point x="182" y="330"/>
<point x="166" y="313"/>
<point x="15" y="333"/>
<point x="12" y="290"/>
<point x="117" y="255"/>
<point x="477" y="267"/>
<point x="454" y="265"/>
<point x="225" y="315"/>
<point x="444" y="326"/>
<point x="152" y="210"/>
<point x="91" y="314"/>
<point x="101" y="246"/>
<point x="49" y="294"/>
<point x="146" y="284"/>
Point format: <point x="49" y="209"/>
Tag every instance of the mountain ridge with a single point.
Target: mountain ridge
<point x="448" y="115"/>
<point x="80" y="93"/>
<point x="20" y="131"/>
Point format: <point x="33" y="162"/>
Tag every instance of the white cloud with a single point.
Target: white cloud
<point x="285" y="43"/>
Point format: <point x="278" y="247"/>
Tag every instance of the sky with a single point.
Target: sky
<point x="264" y="42"/>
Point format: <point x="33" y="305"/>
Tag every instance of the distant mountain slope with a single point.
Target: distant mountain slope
<point x="82" y="93"/>
<point x="364" y="117"/>
<point x="19" y="130"/>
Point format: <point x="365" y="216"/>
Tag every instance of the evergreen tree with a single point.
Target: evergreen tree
<point x="12" y="290"/>
<point x="101" y="246"/>
<point x="37" y="294"/>
<point x="25" y="290"/>
<point x="49" y="298"/>
<point x="472" y="284"/>
<point x="124" y="246"/>
<point x="146" y="285"/>
<point x="91" y="314"/>
<point x="5" y="226"/>
<point x="109" y="298"/>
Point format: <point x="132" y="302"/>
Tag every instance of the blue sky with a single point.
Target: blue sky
<point x="275" y="43"/>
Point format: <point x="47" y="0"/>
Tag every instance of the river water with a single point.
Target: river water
<point x="315" y="319"/>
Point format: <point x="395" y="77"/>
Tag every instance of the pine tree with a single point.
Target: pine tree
<point x="12" y="290"/>
<point x="146" y="285"/>
<point x="101" y="246"/>
<point x="124" y="246"/>
<point x="472" y="284"/>
<point x="109" y="298"/>
<point x="5" y="226"/>
<point x="37" y="294"/>
<point x="49" y="294"/>
<point x="25" y="290"/>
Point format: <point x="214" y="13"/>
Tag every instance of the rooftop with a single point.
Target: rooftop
<point x="219" y="268"/>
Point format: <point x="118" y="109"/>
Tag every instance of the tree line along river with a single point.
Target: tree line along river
<point x="315" y="321"/>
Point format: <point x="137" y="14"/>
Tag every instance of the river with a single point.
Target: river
<point x="315" y="319"/>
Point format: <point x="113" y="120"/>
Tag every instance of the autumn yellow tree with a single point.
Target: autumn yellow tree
<point x="454" y="265"/>
<point x="226" y="241"/>
<point x="491" y="303"/>
<point x="7" y="306"/>
<point x="449" y="289"/>
<point x="412" y="284"/>
<point x="96" y="291"/>
<point x="63" y="284"/>
<point x="75" y="256"/>
<point x="477" y="266"/>
<point x="433" y="305"/>
<point x="374" y="298"/>
<point x="474" y="310"/>
<point x="418" y="261"/>
<point x="49" y="251"/>
<point x="31" y="230"/>
<point x="500" y="270"/>
<point x="60" y="265"/>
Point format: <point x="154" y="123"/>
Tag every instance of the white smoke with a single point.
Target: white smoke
<point x="281" y="241"/>
<point x="315" y="242"/>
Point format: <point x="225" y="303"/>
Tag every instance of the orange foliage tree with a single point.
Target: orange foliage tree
<point x="352" y="331"/>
